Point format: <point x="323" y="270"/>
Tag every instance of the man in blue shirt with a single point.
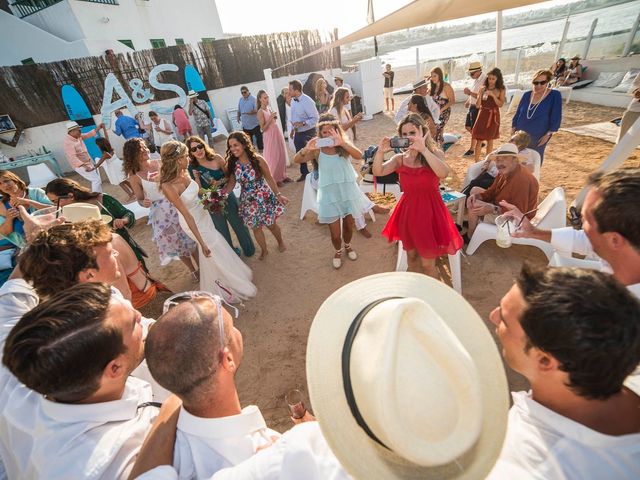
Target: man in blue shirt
<point x="248" y="118"/>
<point x="304" y="117"/>
<point x="126" y="126"/>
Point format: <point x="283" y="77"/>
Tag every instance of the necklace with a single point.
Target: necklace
<point x="531" y="111"/>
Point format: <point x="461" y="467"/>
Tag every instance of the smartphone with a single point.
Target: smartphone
<point x="324" y="142"/>
<point x="399" y="142"/>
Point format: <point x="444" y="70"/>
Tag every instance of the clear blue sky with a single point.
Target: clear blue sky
<point x="263" y="16"/>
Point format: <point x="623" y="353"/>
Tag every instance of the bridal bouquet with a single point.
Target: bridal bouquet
<point x="214" y="200"/>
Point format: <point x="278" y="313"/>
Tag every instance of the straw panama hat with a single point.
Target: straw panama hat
<point x="425" y="375"/>
<point x="192" y="94"/>
<point x="473" y="66"/>
<point x="77" y="212"/>
<point x="508" y="149"/>
<point x="71" y="126"/>
<point x="419" y="83"/>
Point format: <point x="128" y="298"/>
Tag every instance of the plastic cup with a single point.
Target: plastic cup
<point x="295" y="402"/>
<point x="505" y="227"/>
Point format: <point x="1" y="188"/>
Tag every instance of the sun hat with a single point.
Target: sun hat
<point x="192" y="94"/>
<point x="474" y="66"/>
<point x="419" y="83"/>
<point x="575" y="57"/>
<point x="338" y="77"/>
<point x="71" y="126"/>
<point x="405" y="357"/>
<point x="78" y="212"/>
<point x="508" y="149"/>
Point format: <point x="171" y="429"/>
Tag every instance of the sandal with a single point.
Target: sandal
<point x="350" y="253"/>
<point x="337" y="259"/>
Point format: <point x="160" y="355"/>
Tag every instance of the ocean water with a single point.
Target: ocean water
<point x="610" y="19"/>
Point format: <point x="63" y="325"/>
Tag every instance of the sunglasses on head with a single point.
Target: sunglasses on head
<point x="541" y="82"/>
<point x="197" y="147"/>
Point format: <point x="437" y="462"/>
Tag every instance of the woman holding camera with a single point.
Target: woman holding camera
<point x="339" y="197"/>
<point x="420" y="219"/>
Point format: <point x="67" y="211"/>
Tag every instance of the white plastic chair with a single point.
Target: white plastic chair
<point x="513" y="98"/>
<point x="138" y="210"/>
<point x="454" y="265"/>
<point x="232" y="115"/>
<point x="221" y="130"/>
<point x="558" y="260"/>
<point x="551" y="214"/>
<point x="40" y="174"/>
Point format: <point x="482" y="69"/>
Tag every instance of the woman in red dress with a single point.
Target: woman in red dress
<point x="490" y="98"/>
<point x="420" y="219"/>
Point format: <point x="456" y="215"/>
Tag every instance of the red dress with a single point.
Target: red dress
<point x="421" y="219"/>
<point x="487" y="126"/>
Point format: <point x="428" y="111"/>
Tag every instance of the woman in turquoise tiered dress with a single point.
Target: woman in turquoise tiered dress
<point x="339" y="197"/>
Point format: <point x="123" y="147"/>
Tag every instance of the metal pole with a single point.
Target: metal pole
<point x="498" y="38"/>
<point x="563" y="39"/>
<point x="632" y="34"/>
<point x="417" y="63"/>
<point x="587" y="44"/>
<point x="517" y="71"/>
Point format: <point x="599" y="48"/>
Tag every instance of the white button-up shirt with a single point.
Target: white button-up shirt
<point x="44" y="439"/>
<point x="551" y="446"/>
<point x="301" y="453"/>
<point x="206" y="445"/>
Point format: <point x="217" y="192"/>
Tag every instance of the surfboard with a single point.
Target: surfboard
<point x="194" y="82"/>
<point x="78" y="111"/>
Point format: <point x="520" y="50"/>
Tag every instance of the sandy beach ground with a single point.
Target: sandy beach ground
<point x="292" y="285"/>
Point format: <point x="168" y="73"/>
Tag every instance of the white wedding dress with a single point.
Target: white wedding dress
<point x="223" y="273"/>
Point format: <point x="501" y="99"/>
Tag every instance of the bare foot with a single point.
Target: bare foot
<point x="282" y="247"/>
<point x="365" y="233"/>
<point x="263" y="254"/>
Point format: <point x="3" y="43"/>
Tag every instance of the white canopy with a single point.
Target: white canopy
<point x="423" y="12"/>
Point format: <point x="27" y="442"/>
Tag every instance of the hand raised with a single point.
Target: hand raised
<point x="385" y="145"/>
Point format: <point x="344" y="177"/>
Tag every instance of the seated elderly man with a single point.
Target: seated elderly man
<point x="195" y="351"/>
<point x="575" y="335"/>
<point x="514" y="184"/>
<point x="69" y="407"/>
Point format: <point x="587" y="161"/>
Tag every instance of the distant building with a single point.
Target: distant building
<point x="36" y="31"/>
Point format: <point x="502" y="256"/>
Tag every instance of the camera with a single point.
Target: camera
<point x="399" y="142"/>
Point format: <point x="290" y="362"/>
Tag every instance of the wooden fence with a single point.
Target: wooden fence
<point x="31" y="94"/>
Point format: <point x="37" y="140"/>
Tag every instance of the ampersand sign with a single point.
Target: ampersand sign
<point x="138" y="92"/>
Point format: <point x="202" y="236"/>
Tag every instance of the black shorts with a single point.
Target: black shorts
<point x="472" y="114"/>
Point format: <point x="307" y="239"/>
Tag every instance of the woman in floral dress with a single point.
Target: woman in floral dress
<point x="442" y="93"/>
<point x="261" y="202"/>
<point x="171" y="241"/>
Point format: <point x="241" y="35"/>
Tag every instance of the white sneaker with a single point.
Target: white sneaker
<point x="337" y="261"/>
<point x="350" y="253"/>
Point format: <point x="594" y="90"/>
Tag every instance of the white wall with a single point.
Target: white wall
<point x="22" y="40"/>
<point x="58" y="20"/>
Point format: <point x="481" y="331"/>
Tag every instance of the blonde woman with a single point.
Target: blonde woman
<point x="274" y="148"/>
<point x="342" y="97"/>
<point x="339" y="197"/>
<point x="221" y="271"/>
<point x="322" y="96"/>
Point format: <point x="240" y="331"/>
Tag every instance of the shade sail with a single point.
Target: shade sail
<point x="423" y="12"/>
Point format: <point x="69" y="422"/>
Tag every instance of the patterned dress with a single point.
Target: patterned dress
<point x="259" y="206"/>
<point x="172" y="242"/>
<point x="442" y="101"/>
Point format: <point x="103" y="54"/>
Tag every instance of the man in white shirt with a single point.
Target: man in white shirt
<point x="69" y="408"/>
<point x="194" y="351"/>
<point x="477" y="75"/>
<point x="610" y="222"/>
<point x="575" y="335"/>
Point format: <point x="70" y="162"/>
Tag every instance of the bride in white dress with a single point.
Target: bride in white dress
<point x="221" y="270"/>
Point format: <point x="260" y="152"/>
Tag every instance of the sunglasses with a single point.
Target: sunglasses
<point x="196" y="148"/>
<point x="182" y="297"/>
<point x="541" y="82"/>
<point x="244" y="91"/>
